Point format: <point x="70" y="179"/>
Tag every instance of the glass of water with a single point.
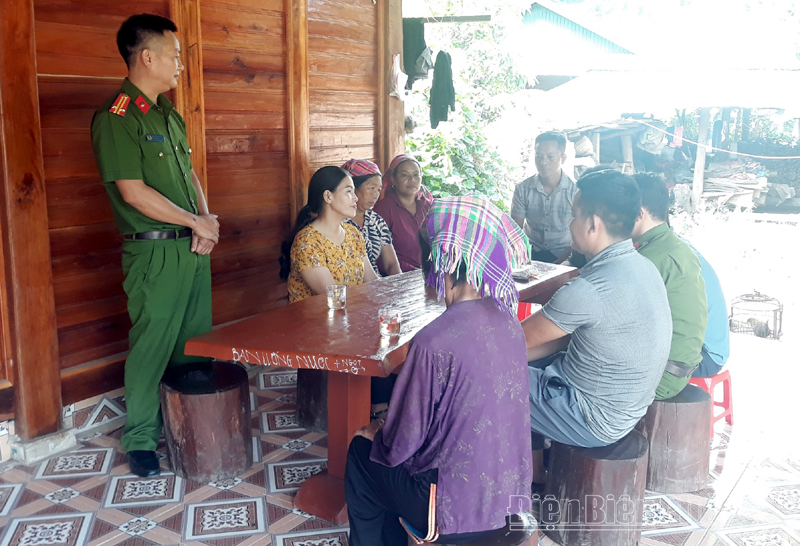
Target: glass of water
<point x="389" y="321"/>
<point x="337" y="296"/>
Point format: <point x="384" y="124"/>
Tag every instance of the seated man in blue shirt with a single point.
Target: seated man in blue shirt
<point x="716" y="343"/>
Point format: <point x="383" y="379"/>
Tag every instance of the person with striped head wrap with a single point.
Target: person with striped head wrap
<point x="404" y="204"/>
<point x="455" y="446"/>
<point x="377" y="235"/>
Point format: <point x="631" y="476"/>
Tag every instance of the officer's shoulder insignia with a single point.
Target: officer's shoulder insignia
<point x="120" y="105"/>
<point x="142" y="104"/>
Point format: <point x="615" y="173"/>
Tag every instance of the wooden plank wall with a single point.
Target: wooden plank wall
<point x="245" y="48"/>
<point x="244" y="54"/>
<point x="79" y="66"/>
<point x="344" y="80"/>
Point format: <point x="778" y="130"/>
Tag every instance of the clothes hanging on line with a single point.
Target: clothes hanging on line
<point x="443" y="94"/>
<point x="413" y="46"/>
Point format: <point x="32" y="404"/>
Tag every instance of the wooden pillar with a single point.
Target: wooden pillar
<point x="726" y="128"/>
<point x="745" y="125"/>
<point x="627" y="154"/>
<point x="700" y="160"/>
<point x="26" y="243"/>
<point x="596" y="146"/>
<point x="392" y="113"/>
<point x="189" y="95"/>
<point x="298" y="102"/>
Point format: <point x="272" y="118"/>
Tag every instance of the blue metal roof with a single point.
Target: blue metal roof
<point x="540" y="15"/>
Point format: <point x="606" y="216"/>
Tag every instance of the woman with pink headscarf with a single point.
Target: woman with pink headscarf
<point x="377" y="235"/>
<point x="404" y="206"/>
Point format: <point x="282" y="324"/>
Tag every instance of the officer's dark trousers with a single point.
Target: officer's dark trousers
<point x="169" y="301"/>
<point x="377" y="496"/>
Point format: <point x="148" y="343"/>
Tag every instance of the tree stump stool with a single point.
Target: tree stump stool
<point x="677" y="429"/>
<point x="207" y="423"/>
<point x="595" y="496"/>
<point x="520" y="530"/>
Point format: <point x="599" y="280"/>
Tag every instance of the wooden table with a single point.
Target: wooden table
<point x="542" y="288"/>
<point x="307" y="334"/>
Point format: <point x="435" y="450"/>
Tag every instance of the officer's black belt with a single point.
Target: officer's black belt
<point x="679" y="369"/>
<point x="160" y="235"/>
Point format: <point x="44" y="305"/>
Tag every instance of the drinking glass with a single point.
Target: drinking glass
<point x="389" y="321"/>
<point x="337" y="296"/>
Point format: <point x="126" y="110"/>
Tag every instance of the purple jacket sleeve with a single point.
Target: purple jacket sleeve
<point x="411" y="410"/>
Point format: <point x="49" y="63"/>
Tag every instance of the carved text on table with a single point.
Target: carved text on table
<point x="311" y="362"/>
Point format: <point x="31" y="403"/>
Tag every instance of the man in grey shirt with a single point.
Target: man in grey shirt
<point x="613" y="320"/>
<point x="542" y="204"/>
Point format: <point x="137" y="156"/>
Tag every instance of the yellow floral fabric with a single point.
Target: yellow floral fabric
<point x="312" y="249"/>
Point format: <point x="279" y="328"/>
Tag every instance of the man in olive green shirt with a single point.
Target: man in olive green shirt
<point x="686" y="292"/>
<point x="140" y="146"/>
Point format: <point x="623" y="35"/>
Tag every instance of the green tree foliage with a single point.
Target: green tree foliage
<point x="457" y="158"/>
<point x="462" y="163"/>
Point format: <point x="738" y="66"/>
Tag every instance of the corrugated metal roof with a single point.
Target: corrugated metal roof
<point x="600" y="95"/>
<point x="545" y="15"/>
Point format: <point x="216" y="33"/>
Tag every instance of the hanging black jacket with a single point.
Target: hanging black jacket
<point x="443" y="95"/>
<point x="413" y="46"/>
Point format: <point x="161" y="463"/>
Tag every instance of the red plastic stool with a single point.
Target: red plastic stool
<point x="523" y="311"/>
<point x="708" y="384"/>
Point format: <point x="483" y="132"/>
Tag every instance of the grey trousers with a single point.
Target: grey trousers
<point x="554" y="409"/>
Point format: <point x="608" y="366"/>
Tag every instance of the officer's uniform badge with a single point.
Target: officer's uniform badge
<point x="142" y="104"/>
<point x="120" y="105"/>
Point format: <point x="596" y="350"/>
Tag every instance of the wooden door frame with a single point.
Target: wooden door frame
<point x="33" y="345"/>
<point x="391" y="112"/>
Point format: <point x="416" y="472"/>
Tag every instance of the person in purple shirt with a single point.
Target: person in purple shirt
<point x="403" y="205"/>
<point x="453" y="457"/>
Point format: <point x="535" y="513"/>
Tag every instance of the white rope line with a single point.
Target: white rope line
<point x="712" y="147"/>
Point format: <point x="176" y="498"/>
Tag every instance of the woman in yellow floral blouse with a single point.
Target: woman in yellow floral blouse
<point x="321" y="249"/>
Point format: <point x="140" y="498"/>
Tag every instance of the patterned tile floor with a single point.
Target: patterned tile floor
<point x="89" y="497"/>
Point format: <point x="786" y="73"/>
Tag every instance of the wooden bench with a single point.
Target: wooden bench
<point x="207" y="424"/>
<point x="520" y="530"/>
<point x="595" y="496"/>
<point x="677" y="429"/>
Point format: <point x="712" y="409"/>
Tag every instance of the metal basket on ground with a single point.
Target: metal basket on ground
<point x="757" y="315"/>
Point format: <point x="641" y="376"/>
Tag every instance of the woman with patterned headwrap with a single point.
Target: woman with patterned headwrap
<point x="455" y="445"/>
<point x="377" y="235"/>
<point x="404" y="205"/>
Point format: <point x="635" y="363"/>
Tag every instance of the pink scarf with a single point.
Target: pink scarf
<point x="423" y="192"/>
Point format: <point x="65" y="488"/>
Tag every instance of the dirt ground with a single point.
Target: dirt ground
<point x="758" y="252"/>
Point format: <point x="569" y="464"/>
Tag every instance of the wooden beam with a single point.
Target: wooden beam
<point x="189" y="95"/>
<point x="26" y="243"/>
<point x="627" y="154"/>
<point x="298" y="102"/>
<point x="458" y="19"/>
<point x="700" y="160"/>
<point x="393" y="120"/>
<point x="384" y="69"/>
<point x="726" y="127"/>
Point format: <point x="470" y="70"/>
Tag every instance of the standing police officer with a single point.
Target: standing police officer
<point x="140" y="145"/>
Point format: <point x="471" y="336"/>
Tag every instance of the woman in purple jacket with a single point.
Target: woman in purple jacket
<point x="454" y="451"/>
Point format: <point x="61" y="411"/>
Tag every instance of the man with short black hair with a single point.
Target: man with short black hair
<point x="140" y="146"/>
<point x="680" y="269"/>
<point x="613" y="320"/>
<point x="542" y="204"/>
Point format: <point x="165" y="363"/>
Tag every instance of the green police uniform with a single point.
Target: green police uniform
<point x="168" y="286"/>
<point x="686" y="291"/>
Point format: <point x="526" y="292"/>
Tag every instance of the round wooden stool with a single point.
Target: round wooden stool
<point x="520" y="530"/>
<point x="207" y="424"/>
<point x="677" y="429"/>
<point x="596" y="495"/>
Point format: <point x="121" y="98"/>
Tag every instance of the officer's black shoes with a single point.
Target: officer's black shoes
<point x="144" y="463"/>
